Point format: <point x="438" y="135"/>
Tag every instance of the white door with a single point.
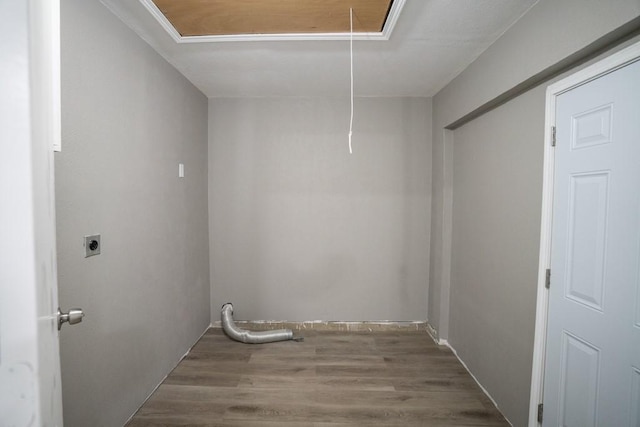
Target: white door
<point x="592" y="368"/>
<point x="30" y="392"/>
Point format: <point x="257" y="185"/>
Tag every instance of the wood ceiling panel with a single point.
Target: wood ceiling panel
<point x="230" y="17"/>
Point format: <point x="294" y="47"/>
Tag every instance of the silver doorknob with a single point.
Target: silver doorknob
<point x="74" y="316"/>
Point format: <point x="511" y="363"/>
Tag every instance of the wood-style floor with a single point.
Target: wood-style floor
<point x="398" y="378"/>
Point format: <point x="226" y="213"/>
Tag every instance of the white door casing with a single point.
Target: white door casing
<point x="586" y="358"/>
<point x="30" y="393"/>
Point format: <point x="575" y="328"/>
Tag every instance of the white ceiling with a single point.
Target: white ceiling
<point x="433" y="41"/>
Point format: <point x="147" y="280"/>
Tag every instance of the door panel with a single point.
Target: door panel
<point x="591" y="128"/>
<point x="30" y="392"/>
<point x="593" y="335"/>
<point x="579" y="382"/>
<point x="586" y="250"/>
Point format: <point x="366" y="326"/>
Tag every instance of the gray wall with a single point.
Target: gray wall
<point x="497" y="193"/>
<point x="128" y="119"/>
<point x="300" y="229"/>
<point x="487" y="186"/>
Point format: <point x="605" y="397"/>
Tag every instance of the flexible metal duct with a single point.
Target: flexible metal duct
<point x="250" y="337"/>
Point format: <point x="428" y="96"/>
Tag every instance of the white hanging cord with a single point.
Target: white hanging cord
<point x="351" y="53"/>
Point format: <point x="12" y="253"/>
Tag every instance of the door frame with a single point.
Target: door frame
<point x="605" y="66"/>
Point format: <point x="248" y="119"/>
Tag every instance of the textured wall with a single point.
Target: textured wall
<point x="300" y="229"/>
<point x="128" y="119"/>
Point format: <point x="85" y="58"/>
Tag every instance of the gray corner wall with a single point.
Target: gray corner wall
<point x="128" y="119"/>
<point x="487" y="190"/>
<point x="300" y="229"/>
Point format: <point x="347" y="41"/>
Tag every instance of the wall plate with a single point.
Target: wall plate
<point x="92" y="245"/>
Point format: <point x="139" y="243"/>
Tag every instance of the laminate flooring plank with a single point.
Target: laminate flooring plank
<point x="390" y="372"/>
<point x="440" y="384"/>
<point x="243" y="368"/>
<point x="331" y="379"/>
<point x="182" y="375"/>
<point x="358" y="415"/>
<point x="260" y="381"/>
<point x="317" y="359"/>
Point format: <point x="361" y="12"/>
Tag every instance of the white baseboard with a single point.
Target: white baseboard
<point x="433" y="333"/>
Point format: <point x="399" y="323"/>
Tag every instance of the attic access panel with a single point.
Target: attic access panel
<point x="211" y="20"/>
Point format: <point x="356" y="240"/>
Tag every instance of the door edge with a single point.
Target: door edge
<point x="604" y="66"/>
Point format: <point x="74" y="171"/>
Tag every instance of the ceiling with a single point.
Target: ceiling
<point x="231" y="17"/>
<point x="431" y="43"/>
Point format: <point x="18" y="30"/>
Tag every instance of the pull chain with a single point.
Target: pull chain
<point x="351" y="55"/>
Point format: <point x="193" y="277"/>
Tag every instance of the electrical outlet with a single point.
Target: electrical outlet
<point x="92" y="245"/>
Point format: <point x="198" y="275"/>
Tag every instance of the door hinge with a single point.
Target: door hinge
<point x="547" y="279"/>
<point x="553" y="136"/>
<point x="540" y="409"/>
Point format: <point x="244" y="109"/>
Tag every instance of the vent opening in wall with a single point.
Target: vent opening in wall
<point x="92" y="245"/>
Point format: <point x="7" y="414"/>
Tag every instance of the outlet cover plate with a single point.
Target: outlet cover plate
<point x="92" y="245"/>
